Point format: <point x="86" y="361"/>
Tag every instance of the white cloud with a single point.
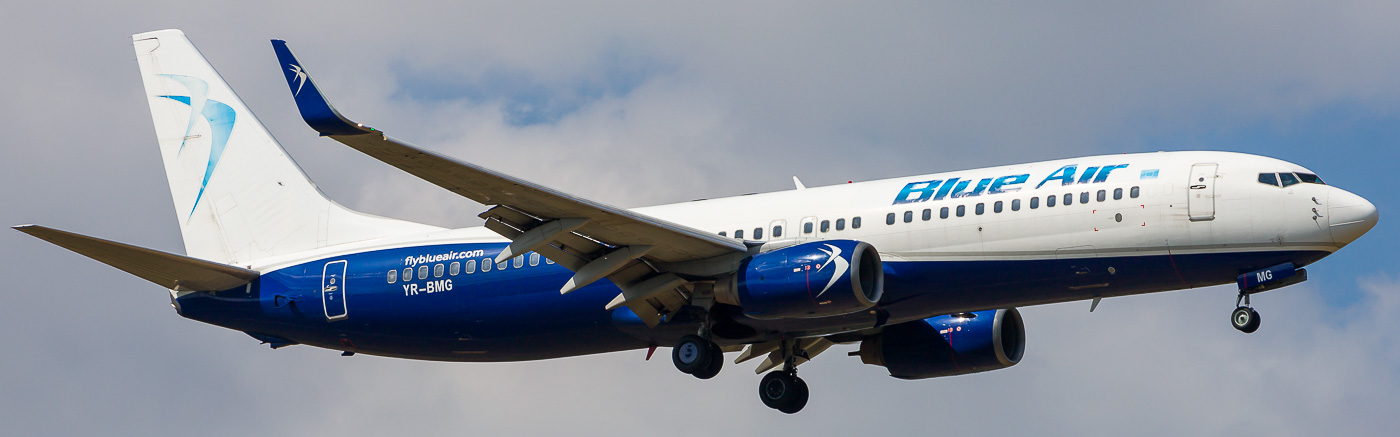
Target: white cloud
<point x="750" y="95"/>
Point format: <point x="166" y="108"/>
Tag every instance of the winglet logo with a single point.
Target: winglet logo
<point x="300" y="77"/>
<point x="220" y="117"/>
<point x="833" y="255"/>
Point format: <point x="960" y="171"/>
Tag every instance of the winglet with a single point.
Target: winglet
<point x="315" y="109"/>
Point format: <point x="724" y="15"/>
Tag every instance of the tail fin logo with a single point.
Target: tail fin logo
<point x="833" y="255"/>
<point x="300" y="77"/>
<point x="220" y="117"/>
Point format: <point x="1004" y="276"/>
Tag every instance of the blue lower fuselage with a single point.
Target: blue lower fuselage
<point x="517" y="313"/>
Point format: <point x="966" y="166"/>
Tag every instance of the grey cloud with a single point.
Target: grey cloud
<point x="829" y="92"/>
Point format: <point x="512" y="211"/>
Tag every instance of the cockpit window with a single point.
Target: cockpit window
<point x="1268" y="179"/>
<point x="1288" y="179"/>
<point x="1311" y="179"/>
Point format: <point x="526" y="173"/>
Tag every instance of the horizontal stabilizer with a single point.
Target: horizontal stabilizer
<point x="176" y="272"/>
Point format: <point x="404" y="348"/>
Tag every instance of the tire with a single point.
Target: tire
<point x="692" y="354"/>
<point x="1242" y="317"/>
<point x="776" y="390"/>
<point x="1253" y="322"/>
<point x="716" y="363"/>
<point x="799" y="397"/>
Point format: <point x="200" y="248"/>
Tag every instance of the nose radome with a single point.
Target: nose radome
<point x="1350" y="216"/>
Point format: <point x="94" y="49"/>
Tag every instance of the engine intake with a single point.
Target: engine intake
<point x="818" y="279"/>
<point x="948" y="345"/>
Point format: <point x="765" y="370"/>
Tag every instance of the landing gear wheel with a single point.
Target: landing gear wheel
<point x="692" y="354"/>
<point x="1245" y="319"/>
<point x="783" y="391"/>
<point x="716" y="363"/>
<point x="800" y="397"/>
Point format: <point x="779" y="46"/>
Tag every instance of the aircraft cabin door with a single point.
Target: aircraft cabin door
<point x="333" y="290"/>
<point x="1200" y="193"/>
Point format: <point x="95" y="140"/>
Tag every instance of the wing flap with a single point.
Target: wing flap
<point x="175" y="272"/>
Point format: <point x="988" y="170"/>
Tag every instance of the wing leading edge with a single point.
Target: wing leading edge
<point x="593" y="239"/>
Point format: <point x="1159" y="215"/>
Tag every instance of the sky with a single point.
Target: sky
<point x="637" y="104"/>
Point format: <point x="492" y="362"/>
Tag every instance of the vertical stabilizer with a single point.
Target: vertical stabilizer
<point x="238" y="196"/>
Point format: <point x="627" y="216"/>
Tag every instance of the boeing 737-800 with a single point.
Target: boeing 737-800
<point x="924" y="272"/>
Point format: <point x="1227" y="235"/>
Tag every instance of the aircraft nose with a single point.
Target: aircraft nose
<point x="1350" y="216"/>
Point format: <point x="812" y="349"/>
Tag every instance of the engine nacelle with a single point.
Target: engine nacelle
<point x="818" y="279"/>
<point x="948" y="345"/>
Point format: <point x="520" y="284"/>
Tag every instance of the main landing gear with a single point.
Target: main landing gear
<point x="782" y="390"/>
<point x="697" y="356"/>
<point x="1244" y="318"/>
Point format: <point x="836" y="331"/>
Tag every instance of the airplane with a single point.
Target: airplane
<point x="925" y="273"/>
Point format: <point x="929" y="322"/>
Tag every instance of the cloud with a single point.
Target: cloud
<point x="642" y="104"/>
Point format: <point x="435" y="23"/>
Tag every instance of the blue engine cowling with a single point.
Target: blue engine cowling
<point x="948" y="345"/>
<point x="818" y="279"/>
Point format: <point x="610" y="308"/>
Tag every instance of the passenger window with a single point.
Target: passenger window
<point x="981" y="208"/>
<point x="1015" y="204"/>
<point x="996" y="207"/>
<point x="889" y="218"/>
<point x="962" y="210"/>
<point x="519" y="262"/>
<point x="826" y="225"/>
<point x="723" y="234"/>
<point x="739" y="234"/>
<point x="841" y="224"/>
<point x="534" y="259"/>
<point x="393" y="276"/>
<point x="1050" y="201"/>
<point x="777" y="231"/>
<point x="407" y="274"/>
<point x="454" y="269"/>
<point x="928" y="214"/>
<point x="807" y="228"/>
<point x="423" y="272"/>
<point x="1268" y="179"/>
<point x="1310" y="179"/>
<point x="1288" y="179"/>
<point x="1133" y="193"/>
<point x="1117" y="193"/>
<point x="943" y="212"/>
<point x="471" y="266"/>
<point x="501" y="265"/>
<point x="1084" y="197"/>
<point x="758" y="233"/>
<point x="548" y="261"/>
<point x="486" y="265"/>
<point x="855" y="223"/>
<point x="1035" y="202"/>
<point x="1069" y="199"/>
<point x="1103" y="195"/>
<point x="438" y="270"/>
<point x="908" y="216"/>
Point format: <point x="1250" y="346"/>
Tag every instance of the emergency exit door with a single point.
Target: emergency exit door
<point x="1200" y="193"/>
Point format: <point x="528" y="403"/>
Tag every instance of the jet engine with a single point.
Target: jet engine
<point x="948" y="345"/>
<point x="818" y="279"/>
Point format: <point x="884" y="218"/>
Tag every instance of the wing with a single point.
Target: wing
<point x="593" y="239"/>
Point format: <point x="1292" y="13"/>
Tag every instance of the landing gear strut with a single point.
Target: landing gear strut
<point x="1244" y="318"/>
<point x="781" y="389"/>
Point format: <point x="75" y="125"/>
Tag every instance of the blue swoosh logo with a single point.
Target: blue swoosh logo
<point x="221" y="118"/>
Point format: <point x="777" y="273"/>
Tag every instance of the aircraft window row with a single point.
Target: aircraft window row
<point x="1286" y="179"/>
<point x="469" y="267"/>
<point x="777" y="230"/>
<point x="999" y="206"/>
